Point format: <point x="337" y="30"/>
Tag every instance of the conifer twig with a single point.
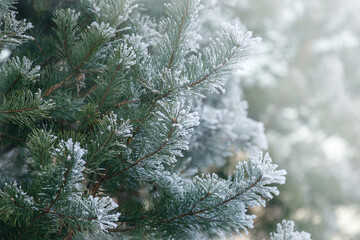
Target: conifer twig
<point x="95" y="188"/>
<point x="57" y="86"/>
<point x="190" y="213"/>
<point x="65" y="215"/>
<point x="13" y="84"/>
<point x="110" y="85"/>
<point x="226" y="60"/>
<point x="20" y="110"/>
<point x="101" y="147"/>
<point x="12" y="138"/>
<point x="178" y="35"/>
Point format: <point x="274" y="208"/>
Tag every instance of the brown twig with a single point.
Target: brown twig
<point x="13" y="84"/>
<point x="125" y="102"/>
<point x="11" y="137"/>
<point x="38" y="46"/>
<point x="201" y="199"/>
<point x="123" y="229"/>
<point x="20" y="110"/>
<point x="57" y="86"/>
<point x="108" y="88"/>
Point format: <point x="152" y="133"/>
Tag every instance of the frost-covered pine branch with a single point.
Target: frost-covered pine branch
<point x="285" y="231"/>
<point x="12" y="31"/>
<point x="208" y="203"/>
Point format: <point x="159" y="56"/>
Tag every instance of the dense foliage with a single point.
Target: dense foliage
<point x="103" y="118"/>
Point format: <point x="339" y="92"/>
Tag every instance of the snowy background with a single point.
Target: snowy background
<point x="304" y="85"/>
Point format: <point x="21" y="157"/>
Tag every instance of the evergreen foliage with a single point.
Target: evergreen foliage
<point x="12" y="31"/>
<point x="285" y="231"/>
<point x="98" y="113"/>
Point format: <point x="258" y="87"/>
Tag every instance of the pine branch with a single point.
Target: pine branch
<point x="24" y="108"/>
<point x="37" y="218"/>
<point x="100" y="149"/>
<point x="126" y="102"/>
<point x="179" y="34"/>
<point x="201" y="199"/>
<point x="47" y="210"/>
<point x="13" y="31"/>
<point x="194" y="213"/>
<point x="96" y="187"/>
<point x="19" y="110"/>
<point x="89" y="53"/>
<point x="109" y="86"/>
<point x="285" y="231"/>
<point x="212" y="207"/>
<point x="13" y="84"/>
<point x="227" y="59"/>
<point x="65" y="215"/>
<point x="17" y="74"/>
<point x="66" y="175"/>
<point x="207" y="219"/>
<point x="57" y="86"/>
<point x="39" y="47"/>
<point x="67" y="54"/>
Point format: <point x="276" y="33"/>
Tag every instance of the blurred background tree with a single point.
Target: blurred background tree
<point x="304" y="87"/>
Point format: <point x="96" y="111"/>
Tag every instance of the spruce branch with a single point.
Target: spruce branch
<point x="126" y="102"/>
<point x="58" y="85"/>
<point x="12" y="31"/>
<point x="104" y="178"/>
<point x="13" y="84"/>
<point x="24" y="107"/>
<point x="18" y="73"/>
<point x="285" y="231"/>
<point x="101" y="148"/>
<point x="19" y="110"/>
<point x="112" y="11"/>
<point x="65" y="215"/>
<point x="201" y="199"/>
<point x="109" y="86"/>
<point x="214" y="71"/>
<point x="224" y="54"/>
<point x="179" y="33"/>
<point x="66" y="175"/>
<point x="2" y="135"/>
<point x="190" y="213"/>
<point x="83" y="47"/>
